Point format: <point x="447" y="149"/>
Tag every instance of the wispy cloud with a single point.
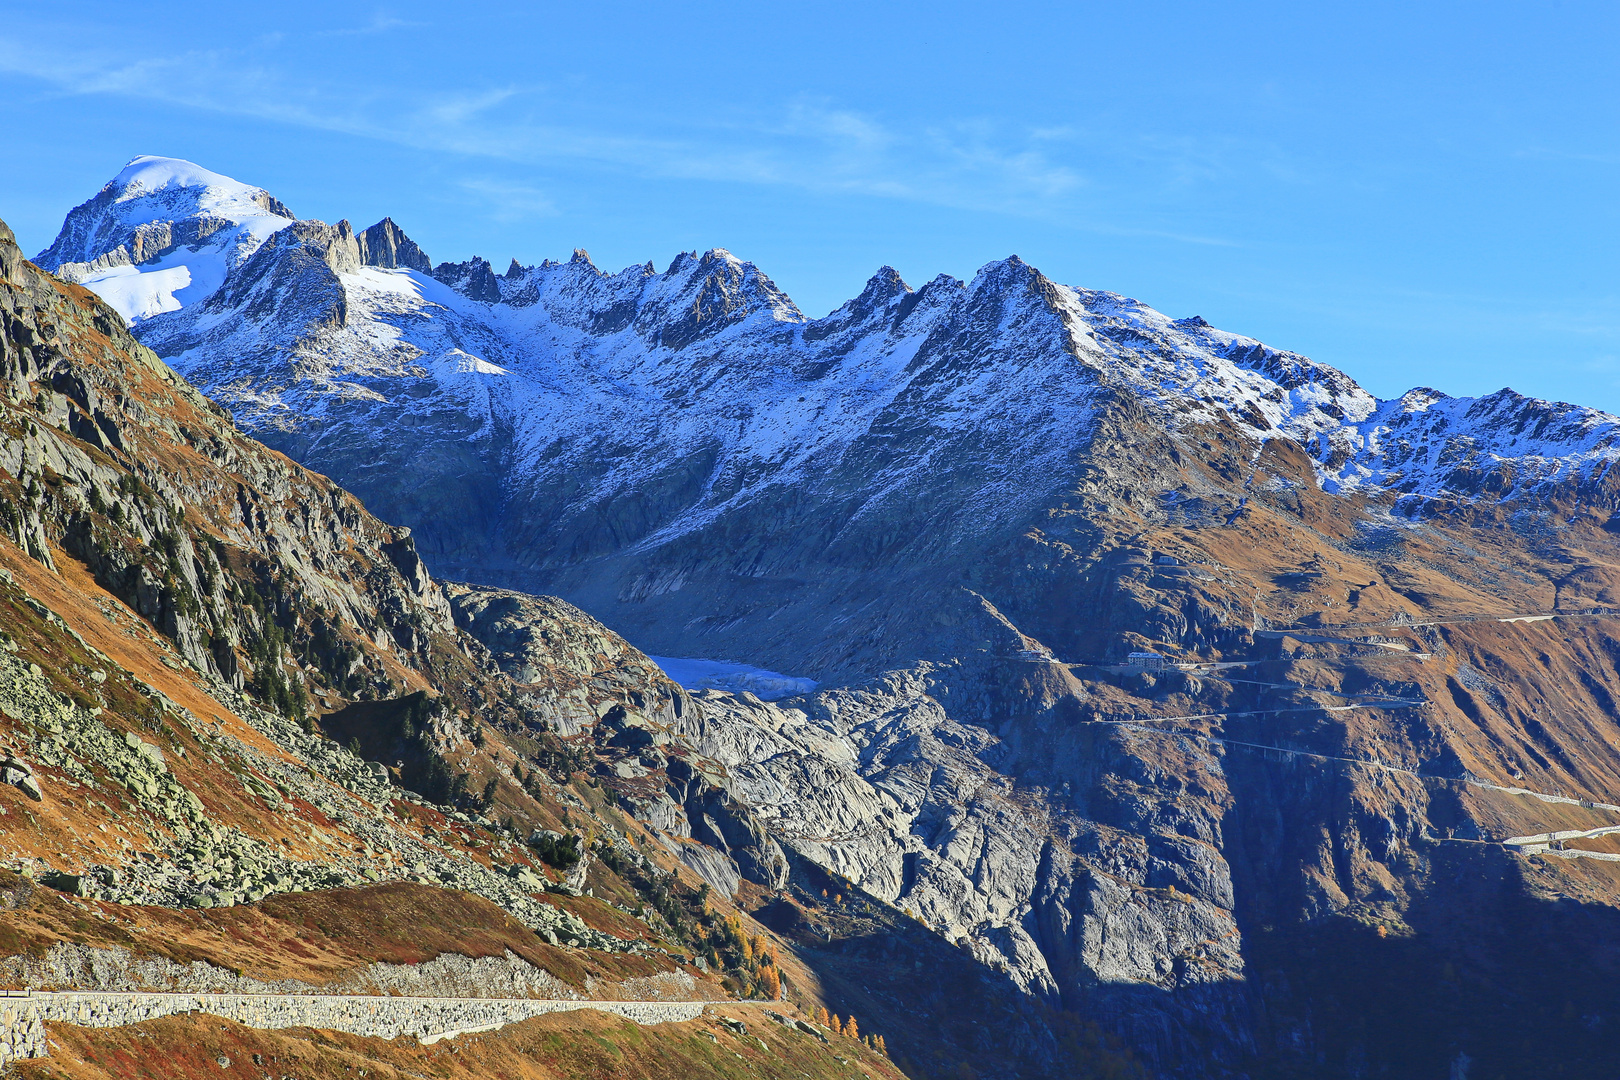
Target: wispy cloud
<point x="510" y="202"/>
<point x="381" y="23"/>
<point x="808" y="144"/>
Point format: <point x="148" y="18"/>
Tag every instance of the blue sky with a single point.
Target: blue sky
<point x="1417" y="193"/>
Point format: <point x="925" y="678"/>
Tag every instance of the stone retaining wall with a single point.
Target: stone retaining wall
<point x="22" y="1018"/>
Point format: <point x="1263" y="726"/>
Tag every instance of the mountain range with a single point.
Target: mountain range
<point x="1176" y="682"/>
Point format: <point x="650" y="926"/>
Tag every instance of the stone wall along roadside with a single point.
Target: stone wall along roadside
<point x="23" y="1014"/>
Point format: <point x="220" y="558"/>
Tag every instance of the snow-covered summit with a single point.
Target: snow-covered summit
<point x="162" y="234"/>
<point x="149" y="185"/>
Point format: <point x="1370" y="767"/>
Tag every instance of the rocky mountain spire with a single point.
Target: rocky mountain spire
<point x="386" y="245"/>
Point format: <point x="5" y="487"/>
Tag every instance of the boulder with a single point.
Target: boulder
<point x="18" y="774"/>
<point x="72" y="884"/>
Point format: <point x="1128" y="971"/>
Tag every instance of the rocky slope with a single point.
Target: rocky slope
<point x="958" y="508"/>
<point x="230" y="693"/>
<point x="181" y="603"/>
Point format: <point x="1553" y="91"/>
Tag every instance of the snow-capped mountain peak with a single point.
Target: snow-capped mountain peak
<point x="151" y="183"/>
<point x="162" y="234"/>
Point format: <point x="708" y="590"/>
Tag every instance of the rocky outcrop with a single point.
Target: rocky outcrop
<point x="386" y="245"/>
<point x="475" y="279"/>
<point x="574" y="672"/>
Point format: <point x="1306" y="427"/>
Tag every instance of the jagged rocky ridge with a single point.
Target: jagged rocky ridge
<point x="593" y="434"/>
<point x="929" y="497"/>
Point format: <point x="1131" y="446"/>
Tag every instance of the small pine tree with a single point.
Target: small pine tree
<point x="881" y="1046"/>
<point x="770" y="982"/>
<point x="354" y="746"/>
<point x="851" y="1028"/>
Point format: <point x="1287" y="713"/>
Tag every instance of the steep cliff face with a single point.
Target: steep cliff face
<point x="150" y="484"/>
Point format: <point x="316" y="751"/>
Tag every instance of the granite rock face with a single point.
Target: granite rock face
<point x="386" y="245"/>
<point x="575" y="669"/>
